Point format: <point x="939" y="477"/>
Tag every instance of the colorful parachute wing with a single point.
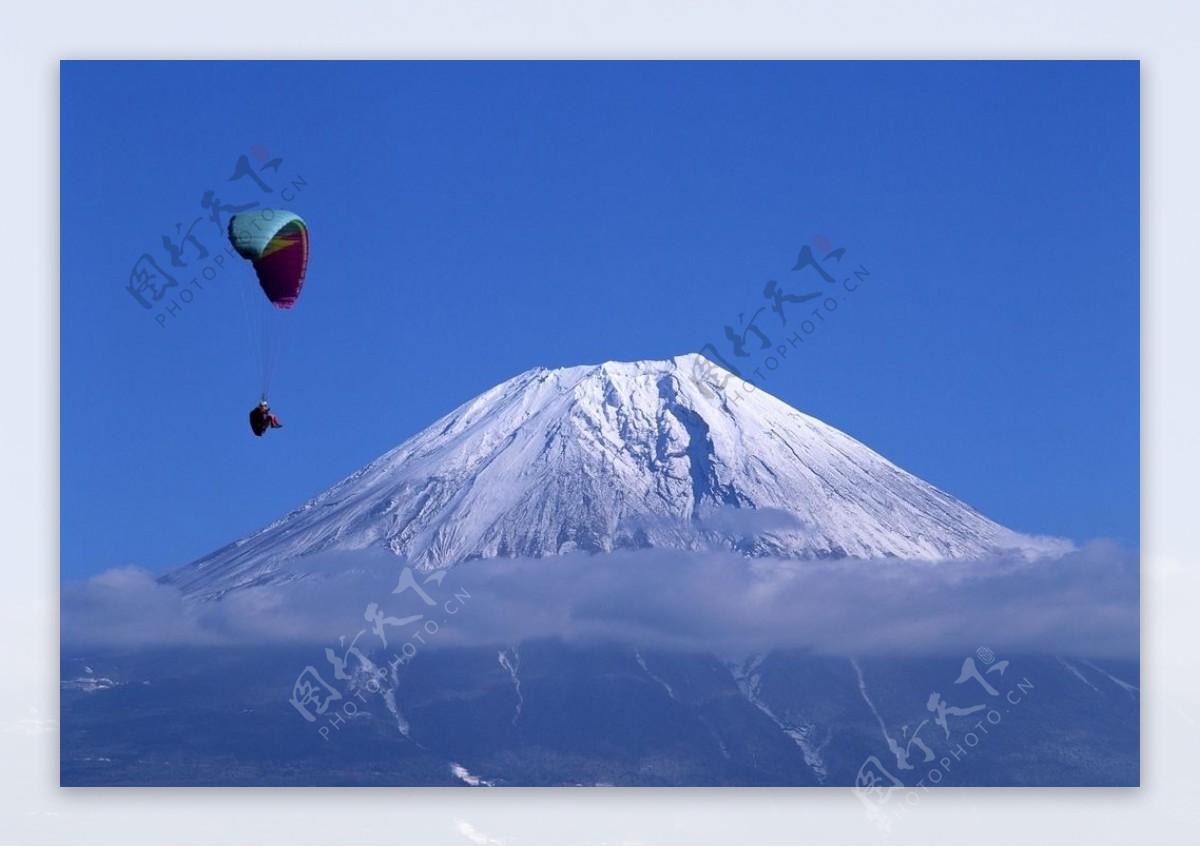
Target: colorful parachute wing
<point x="276" y="243"/>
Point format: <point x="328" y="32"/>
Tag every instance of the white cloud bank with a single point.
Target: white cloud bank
<point x="1084" y="603"/>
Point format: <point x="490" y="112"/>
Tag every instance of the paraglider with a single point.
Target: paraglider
<point x="275" y="241"/>
<point x="261" y="418"/>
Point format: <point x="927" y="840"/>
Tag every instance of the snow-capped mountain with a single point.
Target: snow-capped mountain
<point x="670" y="454"/>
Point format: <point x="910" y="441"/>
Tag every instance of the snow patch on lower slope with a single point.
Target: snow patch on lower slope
<point x="510" y="660"/>
<point x="722" y="747"/>
<point x="1077" y="674"/>
<point x="641" y="660"/>
<point x="1130" y="689"/>
<point x="469" y="778"/>
<point x="749" y="681"/>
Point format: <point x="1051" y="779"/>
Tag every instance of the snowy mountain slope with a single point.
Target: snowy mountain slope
<point x="619" y="455"/>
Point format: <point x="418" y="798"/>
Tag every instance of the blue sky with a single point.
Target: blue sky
<point x="470" y="221"/>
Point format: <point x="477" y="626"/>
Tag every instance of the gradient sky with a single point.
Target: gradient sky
<point x="472" y="220"/>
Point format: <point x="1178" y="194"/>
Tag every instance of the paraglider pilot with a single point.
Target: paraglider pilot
<point x="261" y="418"/>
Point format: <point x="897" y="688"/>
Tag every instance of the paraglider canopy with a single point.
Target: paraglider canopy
<point x="276" y="243"/>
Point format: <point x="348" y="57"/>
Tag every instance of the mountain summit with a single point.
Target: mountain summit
<point x="666" y="454"/>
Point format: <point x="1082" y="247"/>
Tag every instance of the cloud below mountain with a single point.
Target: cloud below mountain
<point x="1084" y="603"/>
